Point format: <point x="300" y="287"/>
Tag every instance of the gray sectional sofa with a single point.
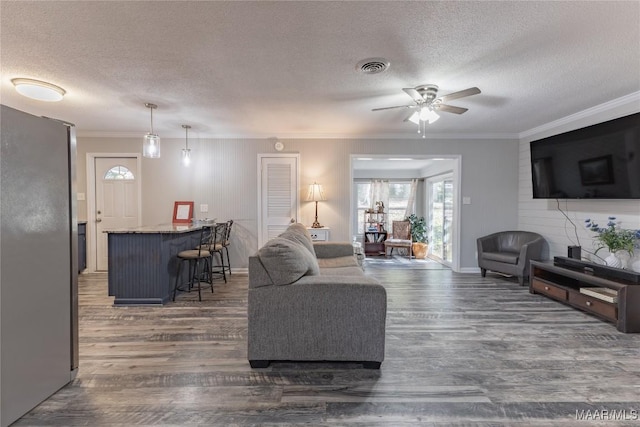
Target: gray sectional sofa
<point x="312" y="302"/>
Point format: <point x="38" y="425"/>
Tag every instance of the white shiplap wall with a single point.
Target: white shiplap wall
<point x="542" y="216"/>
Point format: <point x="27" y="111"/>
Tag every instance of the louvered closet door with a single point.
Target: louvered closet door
<point x="278" y="195"/>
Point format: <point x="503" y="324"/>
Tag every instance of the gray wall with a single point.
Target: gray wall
<point x="224" y="176"/>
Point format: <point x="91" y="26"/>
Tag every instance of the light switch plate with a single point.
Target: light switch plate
<point x="466" y="200"/>
<point x="204" y="208"/>
<point x="81" y="196"/>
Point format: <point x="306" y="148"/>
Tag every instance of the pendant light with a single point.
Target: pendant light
<point x="151" y="144"/>
<point x="186" y="151"/>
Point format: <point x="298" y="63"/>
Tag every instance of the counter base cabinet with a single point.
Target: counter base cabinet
<point x="143" y="266"/>
<point x="563" y="284"/>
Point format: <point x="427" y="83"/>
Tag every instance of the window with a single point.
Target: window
<point x="119" y="172"/>
<point x="395" y="205"/>
<point x="363" y="195"/>
<point x="399" y="193"/>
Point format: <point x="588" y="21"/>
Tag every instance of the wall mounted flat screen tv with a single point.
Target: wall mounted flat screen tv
<point x="596" y="162"/>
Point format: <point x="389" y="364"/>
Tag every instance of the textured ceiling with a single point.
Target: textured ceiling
<point x="287" y="69"/>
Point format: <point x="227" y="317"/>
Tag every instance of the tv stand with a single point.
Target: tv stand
<point x="563" y="284"/>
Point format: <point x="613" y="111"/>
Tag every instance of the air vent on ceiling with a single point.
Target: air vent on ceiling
<point x="372" y="65"/>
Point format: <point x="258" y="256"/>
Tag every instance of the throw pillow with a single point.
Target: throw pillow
<point x="287" y="261"/>
<point x="299" y="233"/>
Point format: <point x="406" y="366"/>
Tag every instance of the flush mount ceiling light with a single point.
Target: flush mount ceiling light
<point x="151" y="144"/>
<point x="186" y="152"/>
<point x="36" y="89"/>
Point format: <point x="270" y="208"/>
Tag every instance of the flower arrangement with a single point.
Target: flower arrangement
<point x="613" y="237"/>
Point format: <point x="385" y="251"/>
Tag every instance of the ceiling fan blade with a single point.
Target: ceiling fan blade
<point x="451" y="109"/>
<point x="409" y="116"/>
<point x="398" y="106"/>
<point x="413" y="94"/>
<point x="461" y="94"/>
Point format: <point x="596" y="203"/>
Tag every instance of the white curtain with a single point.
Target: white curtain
<point x="379" y="193"/>
<point x="412" y="198"/>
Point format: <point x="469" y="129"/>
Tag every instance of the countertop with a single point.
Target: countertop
<point x="159" y="228"/>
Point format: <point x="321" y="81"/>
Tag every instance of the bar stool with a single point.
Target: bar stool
<point x="193" y="258"/>
<point x="225" y="245"/>
<point x="216" y="244"/>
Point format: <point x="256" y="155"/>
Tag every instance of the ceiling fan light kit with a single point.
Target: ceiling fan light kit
<point x="427" y="103"/>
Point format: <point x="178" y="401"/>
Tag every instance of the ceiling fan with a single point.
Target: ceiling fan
<point x="427" y="103"/>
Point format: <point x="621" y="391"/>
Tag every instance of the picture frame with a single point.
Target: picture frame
<point x="182" y="212"/>
<point x="596" y="171"/>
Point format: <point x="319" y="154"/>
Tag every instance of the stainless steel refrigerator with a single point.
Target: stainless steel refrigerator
<point x="38" y="269"/>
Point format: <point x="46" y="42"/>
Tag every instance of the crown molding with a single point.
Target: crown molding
<point x="624" y="101"/>
<point x="430" y="136"/>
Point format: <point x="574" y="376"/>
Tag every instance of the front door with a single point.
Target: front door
<point x="278" y="202"/>
<point x="117" y="200"/>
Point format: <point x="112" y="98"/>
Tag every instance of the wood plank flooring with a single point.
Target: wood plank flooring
<point x="460" y="351"/>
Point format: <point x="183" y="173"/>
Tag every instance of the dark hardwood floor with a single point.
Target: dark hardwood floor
<point x="460" y="351"/>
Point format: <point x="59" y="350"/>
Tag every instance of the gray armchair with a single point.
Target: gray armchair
<point x="509" y="252"/>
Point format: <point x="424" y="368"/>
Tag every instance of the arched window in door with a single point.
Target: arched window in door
<point x="119" y="172"/>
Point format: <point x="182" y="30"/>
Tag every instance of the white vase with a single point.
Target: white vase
<point x="635" y="264"/>
<point x="613" y="261"/>
<point x="624" y="257"/>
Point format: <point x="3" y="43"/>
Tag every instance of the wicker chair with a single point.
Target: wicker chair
<point x="400" y="238"/>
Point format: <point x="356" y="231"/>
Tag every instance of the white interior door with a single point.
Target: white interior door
<point x="278" y="195"/>
<point x="117" y="200"/>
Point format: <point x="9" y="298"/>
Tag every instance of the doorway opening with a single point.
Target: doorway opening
<point x="366" y="169"/>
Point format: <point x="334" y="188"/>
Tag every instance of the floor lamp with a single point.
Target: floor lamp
<point x="316" y="193"/>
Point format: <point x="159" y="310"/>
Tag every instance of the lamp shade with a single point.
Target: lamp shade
<point x="316" y="193"/>
<point x="151" y="146"/>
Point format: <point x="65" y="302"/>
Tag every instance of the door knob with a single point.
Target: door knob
<point x="293" y="221"/>
<point x="99" y="212"/>
<point x="99" y="220"/>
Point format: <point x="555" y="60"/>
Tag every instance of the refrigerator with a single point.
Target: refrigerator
<point x="38" y="266"/>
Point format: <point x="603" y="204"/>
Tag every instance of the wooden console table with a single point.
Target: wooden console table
<point x="563" y="284"/>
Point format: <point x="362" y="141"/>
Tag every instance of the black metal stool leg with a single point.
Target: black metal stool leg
<point x="175" y="288"/>
<point x="197" y="276"/>
<point x="228" y="259"/>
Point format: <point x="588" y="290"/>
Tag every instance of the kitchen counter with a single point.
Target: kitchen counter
<point x="159" y="228"/>
<point x="143" y="263"/>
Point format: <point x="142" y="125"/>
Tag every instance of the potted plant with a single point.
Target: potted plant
<point x="615" y="239"/>
<point x="420" y="245"/>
